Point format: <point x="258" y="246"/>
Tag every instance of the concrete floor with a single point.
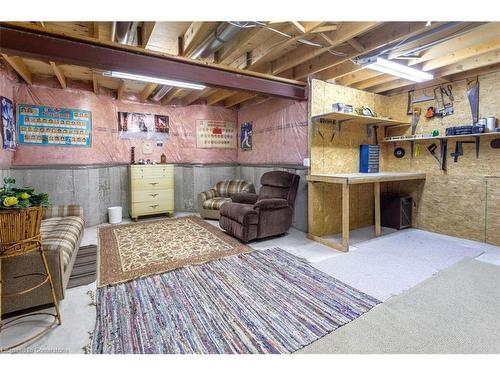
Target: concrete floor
<point x="381" y="267"/>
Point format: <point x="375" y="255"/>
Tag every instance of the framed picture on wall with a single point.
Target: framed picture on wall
<point x="7" y="124"/>
<point x="246" y="136"/>
<point x="133" y="125"/>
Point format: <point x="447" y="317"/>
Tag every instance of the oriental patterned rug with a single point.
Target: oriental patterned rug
<point x="130" y="251"/>
<point x="266" y="301"/>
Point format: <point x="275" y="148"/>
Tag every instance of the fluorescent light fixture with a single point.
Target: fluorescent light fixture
<point x="160" y="81"/>
<point x="399" y="70"/>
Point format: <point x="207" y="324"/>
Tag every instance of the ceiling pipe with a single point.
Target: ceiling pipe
<point x="122" y="31"/>
<point x="223" y="34"/>
<point x="160" y="92"/>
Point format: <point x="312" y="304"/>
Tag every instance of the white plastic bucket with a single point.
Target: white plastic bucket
<point x="115" y="215"/>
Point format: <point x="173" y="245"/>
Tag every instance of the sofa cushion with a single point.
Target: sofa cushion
<point x="61" y="234"/>
<point x="241" y="213"/>
<point x="215" y="203"/>
<point x="227" y="187"/>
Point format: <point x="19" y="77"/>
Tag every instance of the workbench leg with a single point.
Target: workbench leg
<point x="376" y="192"/>
<point x="345" y="216"/>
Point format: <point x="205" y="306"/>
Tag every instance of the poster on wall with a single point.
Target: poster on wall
<point x="52" y="126"/>
<point x="215" y="134"/>
<point x="132" y="125"/>
<point x="246" y="136"/>
<point x="7" y="124"/>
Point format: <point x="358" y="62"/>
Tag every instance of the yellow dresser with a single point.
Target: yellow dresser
<point x="151" y="189"/>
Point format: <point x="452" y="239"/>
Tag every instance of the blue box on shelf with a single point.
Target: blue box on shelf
<point x="369" y="156"/>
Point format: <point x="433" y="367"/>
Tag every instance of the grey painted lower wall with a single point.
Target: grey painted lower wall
<point x="96" y="188"/>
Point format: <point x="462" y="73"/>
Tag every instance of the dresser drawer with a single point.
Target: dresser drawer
<point x="166" y="171"/>
<point x="151" y="184"/>
<point x="149" y="208"/>
<point x="154" y="196"/>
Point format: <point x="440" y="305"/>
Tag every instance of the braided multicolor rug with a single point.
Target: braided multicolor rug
<point x="267" y="301"/>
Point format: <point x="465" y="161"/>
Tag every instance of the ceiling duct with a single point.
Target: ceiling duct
<point x="160" y="92"/>
<point x="223" y="34"/>
<point x="122" y="31"/>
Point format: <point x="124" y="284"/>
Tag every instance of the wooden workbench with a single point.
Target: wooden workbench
<point x="347" y="179"/>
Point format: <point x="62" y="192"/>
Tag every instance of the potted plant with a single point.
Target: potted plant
<point x="20" y="216"/>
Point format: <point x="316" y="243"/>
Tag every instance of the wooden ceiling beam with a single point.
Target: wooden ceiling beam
<point x="197" y="94"/>
<point x="147" y="90"/>
<point x="354" y="43"/>
<point x="346" y="31"/>
<point x="172" y="94"/>
<point x="121" y="90"/>
<point x="95" y="83"/>
<point x="478" y="35"/>
<point x="462" y="54"/>
<point x="239" y="98"/>
<point x="195" y="35"/>
<point x="147" y="31"/>
<point x="300" y="28"/>
<point x="20" y="67"/>
<point x="374" y="81"/>
<point x="59" y="74"/>
<point x="357" y="76"/>
<point x="237" y="46"/>
<point x="219" y="96"/>
<point x="386" y="34"/>
<point x="440" y="75"/>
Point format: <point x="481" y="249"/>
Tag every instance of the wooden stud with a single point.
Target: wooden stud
<point x="147" y="31"/>
<point x="345" y="216"/>
<point x="147" y="90"/>
<point x="59" y="74"/>
<point x="20" y="67"/>
<point x="376" y="193"/>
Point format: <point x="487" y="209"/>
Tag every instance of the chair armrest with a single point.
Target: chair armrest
<point x="62" y="211"/>
<point x="244" y="197"/>
<point x="203" y="196"/>
<point x="271" y="203"/>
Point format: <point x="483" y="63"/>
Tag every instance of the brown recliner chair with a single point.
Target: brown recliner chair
<point x="251" y="216"/>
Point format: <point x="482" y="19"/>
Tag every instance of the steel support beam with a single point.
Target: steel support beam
<point x="27" y="43"/>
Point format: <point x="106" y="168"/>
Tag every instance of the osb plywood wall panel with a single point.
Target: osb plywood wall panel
<point x="492" y="214"/>
<point x="454" y="202"/>
<point x="339" y="154"/>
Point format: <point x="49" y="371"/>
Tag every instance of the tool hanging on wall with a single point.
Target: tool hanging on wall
<point x="421" y="99"/>
<point x="495" y="143"/>
<point x="414" y="122"/>
<point x="399" y="152"/>
<point x="459" y="150"/>
<point x="432" y="149"/>
<point x="444" y="108"/>
<point x="473" y="96"/>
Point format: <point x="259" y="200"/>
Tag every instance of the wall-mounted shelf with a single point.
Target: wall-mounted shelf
<point x="410" y="139"/>
<point x="443" y="142"/>
<point x="358" y="119"/>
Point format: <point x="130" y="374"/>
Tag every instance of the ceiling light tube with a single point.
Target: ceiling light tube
<point x="390" y="67"/>
<point x="160" y="81"/>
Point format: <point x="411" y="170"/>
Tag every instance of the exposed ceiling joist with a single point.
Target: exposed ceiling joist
<point x="147" y="31"/>
<point x="121" y="90"/>
<point x="238" y="98"/>
<point x="147" y="90"/>
<point x="172" y="94"/>
<point x="387" y="34"/>
<point x="219" y="96"/>
<point x="373" y="81"/>
<point x="20" y="67"/>
<point x="195" y="95"/>
<point x="356" y="76"/>
<point x="478" y="35"/>
<point x="59" y="74"/>
<point x="346" y="31"/>
<point x="196" y="34"/>
<point x="95" y="83"/>
<point x="77" y="52"/>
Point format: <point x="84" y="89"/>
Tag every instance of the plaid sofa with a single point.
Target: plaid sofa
<point x="210" y="201"/>
<point x="62" y="231"/>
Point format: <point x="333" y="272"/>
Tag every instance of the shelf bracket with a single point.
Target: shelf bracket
<point x="478" y="144"/>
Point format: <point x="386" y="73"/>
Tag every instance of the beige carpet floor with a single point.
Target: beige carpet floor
<point x="456" y="311"/>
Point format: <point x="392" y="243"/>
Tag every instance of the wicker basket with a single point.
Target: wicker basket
<point x="20" y="230"/>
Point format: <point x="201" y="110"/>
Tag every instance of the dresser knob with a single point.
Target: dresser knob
<point x="153" y="195"/>
<point x="153" y="183"/>
<point x="154" y="206"/>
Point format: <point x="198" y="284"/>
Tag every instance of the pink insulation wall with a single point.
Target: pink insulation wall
<point x="279" y="132"/>
<point x="106" y="147"/>
<point x="7" y="82"/>
<point x="279" y="127"/>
